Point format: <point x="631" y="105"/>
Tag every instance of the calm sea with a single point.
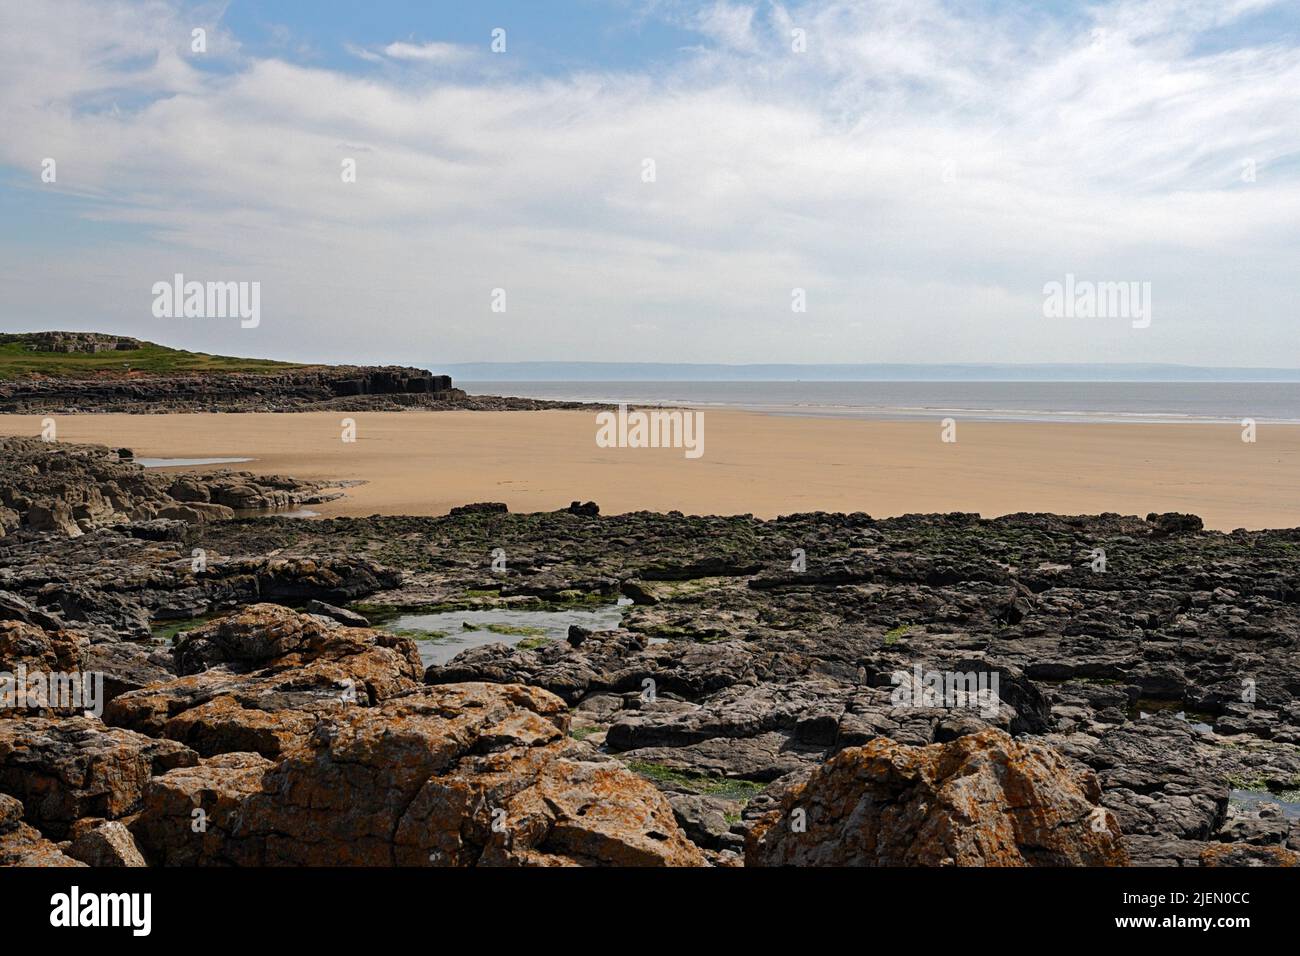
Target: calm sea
<point x="981" y="401"/>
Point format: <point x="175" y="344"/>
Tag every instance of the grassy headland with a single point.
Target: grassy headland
<point x="27" y="355"/>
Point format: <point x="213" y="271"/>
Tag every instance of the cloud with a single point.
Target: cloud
<point x="433" y="52"/>
<point x="919" y="171"/>
<point x="730" y="24"/>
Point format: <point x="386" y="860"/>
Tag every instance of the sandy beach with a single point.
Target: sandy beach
<point x="426" y="463"/>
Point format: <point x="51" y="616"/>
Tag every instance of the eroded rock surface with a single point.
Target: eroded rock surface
<point x="261" y="679"/>
<point x="457" y="775"/>
<point x="983" y="799"/>
<point x="70" y="489"/>
<point x="64" y="769"/>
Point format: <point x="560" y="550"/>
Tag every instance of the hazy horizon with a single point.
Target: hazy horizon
<point x="583" y="371"/>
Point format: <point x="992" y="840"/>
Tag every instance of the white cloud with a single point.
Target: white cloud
<point x="428" y="52"/>
<point x="1111" y="150"/>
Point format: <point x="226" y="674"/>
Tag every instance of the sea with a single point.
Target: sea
<point x="1190" y="402"/>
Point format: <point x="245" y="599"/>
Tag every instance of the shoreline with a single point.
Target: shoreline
<point x="754" y="463"/>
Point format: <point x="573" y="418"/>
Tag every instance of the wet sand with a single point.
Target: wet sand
<point x="428" y="462"/>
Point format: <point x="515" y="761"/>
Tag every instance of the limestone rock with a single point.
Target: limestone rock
<point x="189" y="815"/>
<point x="63" y="769"/>
<point x="107" y="843"/>
<point x="260" y="679"/>
<point x="981" y="800"/>
<point x="457" y="775"/>
<point x="23" y="845"/>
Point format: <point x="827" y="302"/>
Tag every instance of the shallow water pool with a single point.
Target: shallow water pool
<point x="1248" y="799"/>
<point x="442" y="636"/>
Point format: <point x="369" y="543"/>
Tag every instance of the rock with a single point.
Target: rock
<point x="704" y="820"/>
<point x="731" y="669"/>
<point x="194" y="513"/>
<point x="261" y="679"/>
<point x="54" y="516"/>
<point x="128" y="666"/>
<point x="1172" y="522"/>
<point x="71" y="489"/>
<point x="481" y="507"/>
<point x="587" y="509"/>
<point x="64" y="769"/>
<point x="298" y="388"/>
<point x="189" y="816"/>
<point x="266" y="635"/>
<point x="37" y="649"/>
<point x="15" y="608"/>
<point x="187" y="488"/>
<point x="342" y="615"/>
<point x="981" y="800"/>
<point x="451" y="775"/>
<point x="108" y="843"/>
<point x="23" y="845"/>
<point x="1246" y="854"/>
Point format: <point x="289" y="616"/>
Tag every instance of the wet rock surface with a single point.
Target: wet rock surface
<point x="71" y="489"/>
<point x="1160" y="683"/>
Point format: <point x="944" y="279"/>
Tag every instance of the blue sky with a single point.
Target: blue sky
<point x="921" y="170"/>
<point x="587" y="35"/>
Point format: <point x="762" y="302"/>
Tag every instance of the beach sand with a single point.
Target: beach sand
<point x="766" y="465"/>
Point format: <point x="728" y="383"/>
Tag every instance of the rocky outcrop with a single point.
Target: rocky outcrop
<point x="262" y="679"/>
<point x="104" y="843"/>
<point x="1244" y="854"/>
<point x="23" y="845"/>
<point x="304" y="388"/>
<point x="472" y="774"/>
<point x="72" y="342"/>
<point x="981" y="800"/>
<point x="71" y="489"/>
<point x="65" y="769"/>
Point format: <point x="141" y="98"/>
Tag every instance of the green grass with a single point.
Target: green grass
<point x="724" y="787"/>
<point x="19" y="360"/>
<point x="894" y="633"/>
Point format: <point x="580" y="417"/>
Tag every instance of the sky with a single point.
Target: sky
<point x="659" y="181"/>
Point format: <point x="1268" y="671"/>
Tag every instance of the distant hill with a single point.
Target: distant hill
<point x="95" y="355"/>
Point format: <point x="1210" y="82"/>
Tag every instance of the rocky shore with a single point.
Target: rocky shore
<point x="768" y="698"/>
<point x="47" y="373"/>
<point x="333" y="388"/>
<point x="74" y="489"/>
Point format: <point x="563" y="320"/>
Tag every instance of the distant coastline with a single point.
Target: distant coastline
<point x="1014" y="401"/>
<point x="856" y="372"/>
